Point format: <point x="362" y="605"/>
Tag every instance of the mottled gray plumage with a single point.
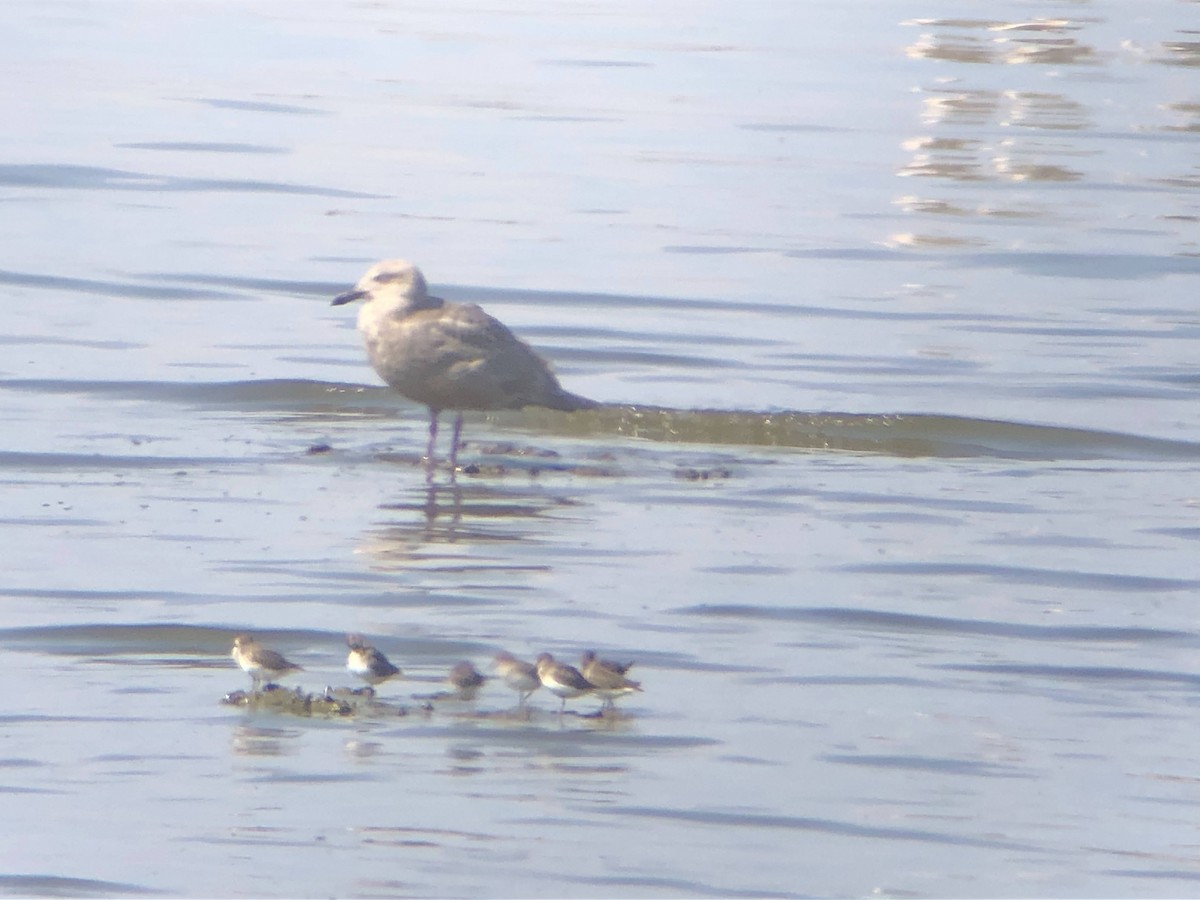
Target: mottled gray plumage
<point x="519" y="675"/>
<point x="562" y="680"/>
<point x="448" y="355"/>
<point x="466" y="680"/>
<point x="258" y="662"/>
<point x="368" y="663"/>
<point x="608" y="677"/>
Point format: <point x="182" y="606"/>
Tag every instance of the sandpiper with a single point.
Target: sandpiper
<point x="519" y="675"/>
<point x="562" y="680"/>
<point x="466" y="680"/>
<point x="259" y="662"/>
<point x="589" y="657"/>
<point x="368" y="663"/>
<point x="448" y="355"/>
<point x="608" y="678"/>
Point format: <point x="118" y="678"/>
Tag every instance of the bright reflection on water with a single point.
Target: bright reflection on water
<point x="891" y="498"/>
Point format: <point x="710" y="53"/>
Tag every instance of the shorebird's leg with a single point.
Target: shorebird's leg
<point x="433" y="429"/>
<point x="458" y="422"/>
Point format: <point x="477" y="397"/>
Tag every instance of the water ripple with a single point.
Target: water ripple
<point x="92" y="178"/>
<point x="938" y="765"/>
<point x="104" y="288"/>
<point x="59" y="886"/>
<point x="825" y="826"/>
<point x="879" y="620"/>
<point x="1093" y="581"/>
<point x="646" y="886"/>
<point x="895" y="434"/>
<point x="1079" y="673"/>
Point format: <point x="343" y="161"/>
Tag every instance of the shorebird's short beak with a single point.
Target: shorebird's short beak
<point x="348" y="297"/>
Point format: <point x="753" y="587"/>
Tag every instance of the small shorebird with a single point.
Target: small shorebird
<point x="465" y="680"/>
<point x="448" y="355"/>
<point x="519" y="675"/>
<point x="562" y="680"/>
<point x="368" y="663"/>
<point x="589" y="657"/>
<point x="608" y="678"/>
<point x="258" y="662"/>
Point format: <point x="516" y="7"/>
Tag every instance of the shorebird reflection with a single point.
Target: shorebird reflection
<point x="442" y="522"/>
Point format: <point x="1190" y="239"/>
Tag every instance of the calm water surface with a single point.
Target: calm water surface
<point x="893" y="497"/>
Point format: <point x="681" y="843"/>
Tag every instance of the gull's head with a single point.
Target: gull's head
<point x="393" y="283"/>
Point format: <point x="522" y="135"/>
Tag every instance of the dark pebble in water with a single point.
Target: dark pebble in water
<point x="689" y="474"/>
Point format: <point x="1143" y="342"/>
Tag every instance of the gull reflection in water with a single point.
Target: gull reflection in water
<point x="441" y="523"/>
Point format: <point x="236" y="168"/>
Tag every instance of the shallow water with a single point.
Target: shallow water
<point x="892" y="496"/>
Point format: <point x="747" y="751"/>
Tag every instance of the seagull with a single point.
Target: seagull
<point x="368" y="663"/>
<point x="259" y="662"/>
<point x="448" y="355"/>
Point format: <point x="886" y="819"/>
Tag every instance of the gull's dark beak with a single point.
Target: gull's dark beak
<point x="348" y="297"/>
